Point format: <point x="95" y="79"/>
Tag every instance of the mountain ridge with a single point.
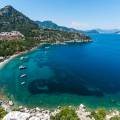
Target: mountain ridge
<point x="12" y="19"/>
<point x="51" y="25"/>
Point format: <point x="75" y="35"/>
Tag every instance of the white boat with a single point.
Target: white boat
<point x="47" y="47"/>
<point x="23" y="75"/>
<point x="22" y="83"/>
<point x="63" y="43"/>
<point x="22" y="58"/>
<point x="22" y="67"/>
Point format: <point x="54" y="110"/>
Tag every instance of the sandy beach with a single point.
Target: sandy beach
<point x="3" y="63"/>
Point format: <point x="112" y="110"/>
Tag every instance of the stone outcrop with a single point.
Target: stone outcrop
<point x="112" y="113"/>
<point x="16" y="116"/>
<point x="41" y="114"/>
<point x="83" y="114"/>
<point x="28" y="114"/>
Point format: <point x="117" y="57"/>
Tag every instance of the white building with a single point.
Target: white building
<point x="14" y="35"/>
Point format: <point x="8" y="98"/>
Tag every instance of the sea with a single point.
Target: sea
<point x="63" y="75"/>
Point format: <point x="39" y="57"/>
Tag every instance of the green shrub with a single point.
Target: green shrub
<point x="66" y="113"/>
<point x="16" y="109"/>
<point x="2" y="113"/>
<point x="115" y="118"/>
<point x="99" y="114"/>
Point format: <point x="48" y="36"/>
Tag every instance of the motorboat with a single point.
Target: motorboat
<point x="22" y="67"/>
<point x="22" y="58"/>
<point x="47" y="47"/>
<point x="23" y="75"/>
<point x="22" y="83"/>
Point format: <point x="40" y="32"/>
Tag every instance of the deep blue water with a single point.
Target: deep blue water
<point x="71" y="74"/>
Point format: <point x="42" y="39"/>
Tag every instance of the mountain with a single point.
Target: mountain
<point x="54" y="26"/>
<point x="118" y="32"/>
<point x="11" y="19"/>
<point x="107" y="31"/>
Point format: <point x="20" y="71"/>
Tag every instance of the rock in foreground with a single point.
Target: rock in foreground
<point x="65" y="113"/>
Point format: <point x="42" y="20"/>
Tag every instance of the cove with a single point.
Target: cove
<point x="87" y="73"/>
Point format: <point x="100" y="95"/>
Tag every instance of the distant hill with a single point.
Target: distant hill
<point x="92" y="31"/>
<point x="118" y="32"/>
<point x="11" y="19"/>
<point x="107" y="31"/>
<point x="54" y="26"/>
<point x="103" y="31"/>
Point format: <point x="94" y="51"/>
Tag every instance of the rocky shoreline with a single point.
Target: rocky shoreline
<point x="24" y="113"/>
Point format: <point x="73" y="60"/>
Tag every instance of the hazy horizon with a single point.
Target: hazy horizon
<point x="78" y="14"/>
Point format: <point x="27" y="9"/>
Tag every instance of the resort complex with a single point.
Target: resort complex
<point x="13" y="35"/>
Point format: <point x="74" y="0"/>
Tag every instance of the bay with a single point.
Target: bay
<point x="72" y="74"/>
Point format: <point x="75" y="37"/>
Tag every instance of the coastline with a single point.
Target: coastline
<point x="3" y="98"/>
<point x="82" y="111"/>
<point x="4" y="62"/>
<point x="9" y="58"/>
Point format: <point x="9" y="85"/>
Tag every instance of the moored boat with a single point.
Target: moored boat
<point x="47" y="47"/>
<point x="22" y="58"/>
<point x="23" y="75"/>
<point x="22" y="83"/>
<point x="22" y="67"/>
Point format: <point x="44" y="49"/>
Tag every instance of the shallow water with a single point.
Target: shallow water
<point x="86" y="73"/>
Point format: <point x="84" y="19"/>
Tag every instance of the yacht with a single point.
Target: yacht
<point x="22" y="83"/>
<point x="47" y="47"/>
<point x="22" y="67"/>
<point x="23" y="75"/>
<point x="22" y="58"/>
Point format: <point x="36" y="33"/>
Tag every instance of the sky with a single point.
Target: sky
<point x="80" y="14"/>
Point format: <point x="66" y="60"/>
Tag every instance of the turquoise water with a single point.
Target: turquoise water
<point x="71" y="74"/>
